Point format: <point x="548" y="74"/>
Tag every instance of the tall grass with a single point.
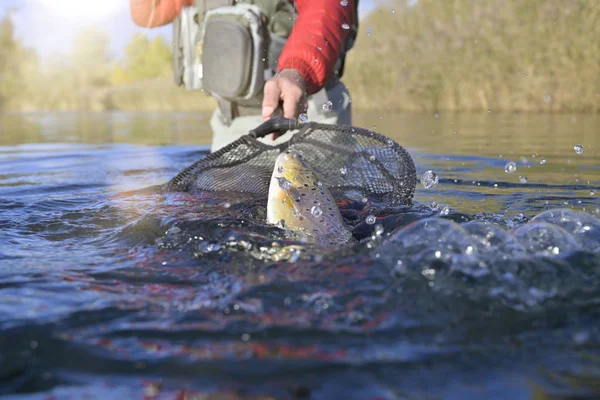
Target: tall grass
<point x="527" y="55"/>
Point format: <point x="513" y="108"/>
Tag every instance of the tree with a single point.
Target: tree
<point x="144" y="59"/>
<point x="91" y="57"/>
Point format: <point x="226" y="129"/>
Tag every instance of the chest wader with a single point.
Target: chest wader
<point x="230" y="48"/>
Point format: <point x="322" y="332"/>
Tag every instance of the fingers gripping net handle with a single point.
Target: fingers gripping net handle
<point x="352" y="162"/>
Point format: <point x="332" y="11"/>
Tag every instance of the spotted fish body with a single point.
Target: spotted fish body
<point x="299" y="202"/>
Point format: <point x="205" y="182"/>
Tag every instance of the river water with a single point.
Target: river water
<point x="486" y="288"/>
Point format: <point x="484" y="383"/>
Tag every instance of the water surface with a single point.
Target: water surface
<point x="487" y="287"/>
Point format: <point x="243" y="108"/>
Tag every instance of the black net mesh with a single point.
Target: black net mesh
<point x="353" y="163"/>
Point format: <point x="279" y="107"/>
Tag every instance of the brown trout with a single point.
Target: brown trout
<point x="299" y="202"/>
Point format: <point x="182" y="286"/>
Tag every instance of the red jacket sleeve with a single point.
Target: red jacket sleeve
<point x="164" y="11"/>
<point x="317" y="39"/>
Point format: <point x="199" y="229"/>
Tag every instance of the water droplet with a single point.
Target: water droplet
<point x="345" y="26"/>
<point x="389" y="142"/>
<point x="303" y="118"/>
<point x="393" y="11"/>
<point x="280" y="169"/>
<point x="379" y="230"/>
<point x="319" y="48"/>
<point x="372" y="158"/>
<point x="469" y="250"/>
<point x="316" y="211"/>
<point x="445" y="210"/>
<point x="437" y="115"/>
<point x="510" y="167"/>
<point x="343" y="171"/>
<point x="327" y="106"/>
<point x="543" y="161"/>
<point x="370" y="219"/>
<point x="284" y="183"/>
<point x="245" y="337"/>
<point x="578" y="149"/>
<point x="581" y="337"/>
<point x="592" y="192"/>
<point x="344" y="3"/>
<point x="523" y="179"/>
<point x="489" y="110"/>
<point x="294" y="256"/>
<point x="365" y="200"/>
<point x="547" y="98"/>
<point x="429" y="179"/>
<point x="319" y="183"/>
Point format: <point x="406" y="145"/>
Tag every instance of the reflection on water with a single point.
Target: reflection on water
<point x="131" y="294"/>
<point x="148" y="128"/>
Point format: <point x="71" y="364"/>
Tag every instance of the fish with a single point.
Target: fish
<point x="299" y="202"/>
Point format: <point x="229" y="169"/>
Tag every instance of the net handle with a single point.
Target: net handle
<point x="276" y="124"/>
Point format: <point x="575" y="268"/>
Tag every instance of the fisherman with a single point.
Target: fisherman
<point x="258" y="58"/>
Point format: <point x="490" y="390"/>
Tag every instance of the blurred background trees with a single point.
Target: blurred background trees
<point x="424" y="55"/>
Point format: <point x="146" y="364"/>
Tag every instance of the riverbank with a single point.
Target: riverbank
<point x="464" y="55"/>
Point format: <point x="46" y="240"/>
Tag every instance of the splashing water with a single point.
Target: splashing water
<point x="473" y="289"/>
<point x="510" y="167"/>
<point x="429" y="179"/>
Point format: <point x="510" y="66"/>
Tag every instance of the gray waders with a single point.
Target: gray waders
<point x="319" y="110"/>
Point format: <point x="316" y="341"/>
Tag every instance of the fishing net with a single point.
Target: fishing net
<point x="353" y="163"/>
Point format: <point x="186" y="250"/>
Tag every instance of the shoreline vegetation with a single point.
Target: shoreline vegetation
<point x="460" y="55"/>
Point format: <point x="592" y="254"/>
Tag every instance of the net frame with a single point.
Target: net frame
<point x="375" y="166"/>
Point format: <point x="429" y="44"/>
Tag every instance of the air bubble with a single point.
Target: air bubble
<point x="303" y="118"/>
<point x="365" y="200"/>
<point x="429" y="179"/>
<point x="543" y="161"/>
<point x="370" y="219"/>
<point x="316" y="211"/>
<point x="280" y="169"/>
<point x="344" y="3"/>
<point x="510" y="167"/>
<point x="345" y="26"/>
<point x="343" y="171"/>
<point x="327" y="106"/>
<point x="226" y="205"/>
<point x="379" y="230"/>
<point x="523" y="179"/>
<point x="578" y="149"/>
<point x="372" y="158"/>
<point x="592" y="192"/>
<point x="284" y="183"/>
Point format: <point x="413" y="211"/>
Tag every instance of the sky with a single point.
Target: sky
<point x="49" y="26"/>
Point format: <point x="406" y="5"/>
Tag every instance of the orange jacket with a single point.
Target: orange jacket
<point x="313" y="47"/>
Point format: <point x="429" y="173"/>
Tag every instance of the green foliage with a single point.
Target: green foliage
<point x="16" y="62"/>
<point x="91" y="57"/>
<point x="144" y="59"/>
<point x="464" y="55"/>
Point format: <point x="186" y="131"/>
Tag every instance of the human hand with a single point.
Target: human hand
<point x="287" y="87"/>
